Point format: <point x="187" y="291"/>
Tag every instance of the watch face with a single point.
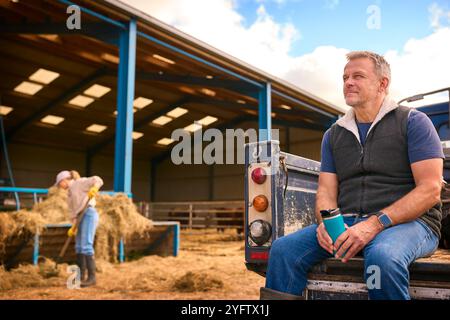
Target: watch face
<point x="385" y="220"/>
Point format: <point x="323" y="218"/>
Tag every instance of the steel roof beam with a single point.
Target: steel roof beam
<point x="99" y="30"/>
<point x="233" y="85"/>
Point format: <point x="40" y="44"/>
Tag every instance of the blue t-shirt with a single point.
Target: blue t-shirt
<point x="423" y="141"/>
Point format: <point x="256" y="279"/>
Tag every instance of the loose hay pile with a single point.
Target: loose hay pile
<point x="209" y="266"/>
<point x="30" y="276"/>
<point x="197" y="281"/>
<point x="118" y="218"/>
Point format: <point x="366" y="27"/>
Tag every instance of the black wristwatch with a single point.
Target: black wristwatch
<point x="384" y="219"/>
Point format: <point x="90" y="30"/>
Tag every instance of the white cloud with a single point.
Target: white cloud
<point x="264" y="44"/>
<point x="421" y="65"/>
<point x="320" y="72"/>
<point x="438" y="15"/>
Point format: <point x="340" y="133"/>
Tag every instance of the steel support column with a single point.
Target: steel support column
<point x="125" y="97"/>
<point x="265" y="112"/>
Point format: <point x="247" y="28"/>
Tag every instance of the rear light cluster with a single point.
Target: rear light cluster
<point x="260" y="202"/>
<point x="259" y="230"/>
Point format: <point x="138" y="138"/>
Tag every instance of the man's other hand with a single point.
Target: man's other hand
<point x="355" y="238"/>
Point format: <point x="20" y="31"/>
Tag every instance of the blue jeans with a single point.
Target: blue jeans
<point x="392" y="250"/>
<point x="84" y="241"/>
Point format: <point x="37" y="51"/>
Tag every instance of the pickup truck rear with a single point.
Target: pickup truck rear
<point x="283" y="201"/>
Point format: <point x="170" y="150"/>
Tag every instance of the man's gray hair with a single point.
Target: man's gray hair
<point x="382" y="67"/>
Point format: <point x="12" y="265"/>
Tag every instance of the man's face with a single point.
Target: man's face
<point x="361" y="82"/>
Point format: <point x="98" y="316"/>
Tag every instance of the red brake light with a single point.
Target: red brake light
<point x="259" y="175"/>
<point x="259" y="255"/>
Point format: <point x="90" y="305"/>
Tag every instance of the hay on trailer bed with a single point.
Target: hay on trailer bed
<point x="118" y="218"/>
<point x="15" y="224"/>
<point x="54" y="209"/>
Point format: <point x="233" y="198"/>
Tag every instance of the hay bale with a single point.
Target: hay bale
<point x="118" y="218"/>
<point x="15" y="224"/>
<point x="55" y="208"/>
<point x="52" y="210"/>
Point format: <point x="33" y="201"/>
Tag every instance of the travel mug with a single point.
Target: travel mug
<point x="334" y="222"/>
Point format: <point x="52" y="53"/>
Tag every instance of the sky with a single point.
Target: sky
<point x="305" y="41"/>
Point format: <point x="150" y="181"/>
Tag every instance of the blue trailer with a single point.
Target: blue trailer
<point x="280" y="191"/>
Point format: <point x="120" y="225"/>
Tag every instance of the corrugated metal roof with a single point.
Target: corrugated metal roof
<point x="82" y="60"/>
